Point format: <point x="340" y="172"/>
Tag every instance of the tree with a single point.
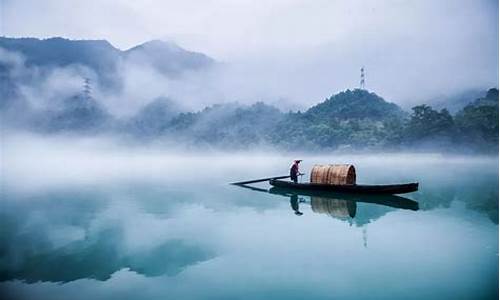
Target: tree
<point x="478" y="125"/>
<point x="427" y="123"/>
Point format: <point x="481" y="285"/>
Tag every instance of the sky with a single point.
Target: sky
<point x="298" y="51"/>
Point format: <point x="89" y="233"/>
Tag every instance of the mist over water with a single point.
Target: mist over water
<point x="93" y="218"/>
<point x="37" y="160"/>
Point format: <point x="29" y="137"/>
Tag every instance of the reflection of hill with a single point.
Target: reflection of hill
<point x="30" y="251"/>
<point x="488" y="204"/>
<point x="480" y="196"/>
<point x="367" y="213"/>
<point x="98" y="257"/>
<point x="357" y="213"/>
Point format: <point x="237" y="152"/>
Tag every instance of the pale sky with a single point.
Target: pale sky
<point x="301" y="50"/>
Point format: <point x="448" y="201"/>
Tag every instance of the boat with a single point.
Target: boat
<point x="339" y="178"/>
<point x="378" y="189"/>
<point x="380" y="199"/>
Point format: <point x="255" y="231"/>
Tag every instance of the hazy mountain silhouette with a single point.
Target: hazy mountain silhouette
<point x="167" y="57"/>
<point x="101" y="57"/>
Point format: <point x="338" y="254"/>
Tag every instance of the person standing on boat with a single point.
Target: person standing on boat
<point x="294" y="170"/>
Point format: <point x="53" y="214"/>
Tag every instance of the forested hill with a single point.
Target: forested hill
<point x="355" y="119"/>
<point x="355" y="105"/>
<point x="349" y="120"/>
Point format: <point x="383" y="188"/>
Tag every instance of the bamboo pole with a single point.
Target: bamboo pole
<point x="259" y="180"/>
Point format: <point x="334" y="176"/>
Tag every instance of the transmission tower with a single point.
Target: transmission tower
<point x="362" y="79"/>
<point x="87" y="89"/>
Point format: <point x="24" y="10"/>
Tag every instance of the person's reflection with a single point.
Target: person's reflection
<point x="294" y="202"/>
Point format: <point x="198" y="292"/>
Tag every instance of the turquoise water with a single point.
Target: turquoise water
<point x="172" y="228"/>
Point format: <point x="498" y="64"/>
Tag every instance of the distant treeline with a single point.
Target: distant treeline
<point x="356" y="120"/>
<point x="349" y="120"/>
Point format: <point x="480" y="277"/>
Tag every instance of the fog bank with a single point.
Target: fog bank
<point x="30" y="162"/>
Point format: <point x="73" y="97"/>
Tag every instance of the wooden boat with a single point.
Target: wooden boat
<point x="380" y="199"/>
<point x="383" y="189"/>
<point x="339" y="178"/>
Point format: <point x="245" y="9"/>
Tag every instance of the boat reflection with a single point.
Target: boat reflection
<point x="338" y="205"/>
<point x="336" y="208"/>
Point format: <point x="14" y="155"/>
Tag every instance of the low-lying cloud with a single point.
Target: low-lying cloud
<point x="289" y="53"/>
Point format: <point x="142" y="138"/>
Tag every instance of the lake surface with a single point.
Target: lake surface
<point x="123" y="225"/>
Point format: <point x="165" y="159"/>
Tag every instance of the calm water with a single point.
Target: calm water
<point x="123" y="226"/>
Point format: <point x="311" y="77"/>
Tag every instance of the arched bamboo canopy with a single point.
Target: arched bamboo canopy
<point x="334" y="207"/>
<point x="333" y="174"/>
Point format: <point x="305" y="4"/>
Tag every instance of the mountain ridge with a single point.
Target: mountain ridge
<point x="102" y="57"/>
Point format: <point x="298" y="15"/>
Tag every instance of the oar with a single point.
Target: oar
<point x="259" y="180"/>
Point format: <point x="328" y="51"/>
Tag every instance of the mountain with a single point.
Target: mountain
<point x="47" y="54"/>
<point x="26" y="62"/>
<point x="102" y="58"/>
<point x="99" y="55"/>
<point x="79" y="113"/>
<point x="349" y="119"/>
<point x="477" y="123"/>
<point x="228" y="124"/>
<point x="490" y="99"/>
<point x="356" y="104"/>
<point x="153" y="119"/>
<point x="455" y="102"/>
<point x="167" y="57"/>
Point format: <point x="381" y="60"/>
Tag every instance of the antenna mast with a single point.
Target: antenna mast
<point x="362" y="79"/>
